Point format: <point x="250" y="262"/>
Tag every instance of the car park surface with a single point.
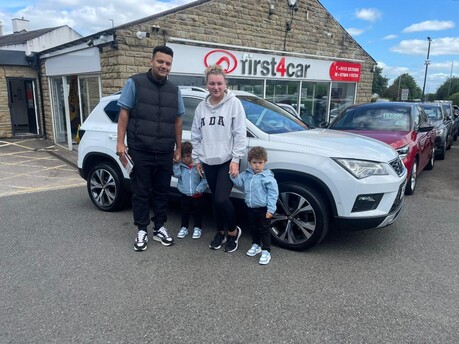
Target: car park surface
<point x="325" y="178"/>
<point x="77" y="270"/>
<point x="404" y="126"/>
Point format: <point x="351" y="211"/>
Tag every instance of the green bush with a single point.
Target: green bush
<point x="455" y="98"/>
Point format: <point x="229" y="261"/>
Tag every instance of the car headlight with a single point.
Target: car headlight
<point x="403" y="151"/>
<point x="362" y="168"/>
<point x="440" y="131"/>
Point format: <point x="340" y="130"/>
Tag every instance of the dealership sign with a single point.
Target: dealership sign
<point x="193" y="60"/>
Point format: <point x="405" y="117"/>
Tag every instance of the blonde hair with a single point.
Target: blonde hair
<point x="215" y="70"/>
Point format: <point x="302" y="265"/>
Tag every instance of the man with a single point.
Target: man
<point x="151" y="119"/>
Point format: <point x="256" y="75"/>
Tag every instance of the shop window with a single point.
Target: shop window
<point x="247" y="85"/>
<point x="314" y="102"/>
<point x="89" y="94"/>
<point x="342" y="96"/>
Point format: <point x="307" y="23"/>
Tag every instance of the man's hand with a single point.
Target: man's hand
<point x="269" y="215"/>
<point x="177" y="155"/>
<point x="121" y="152"/>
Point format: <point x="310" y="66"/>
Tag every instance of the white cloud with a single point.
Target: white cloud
<point x="388" y="37"/>
<point x="354" y="31"/>
<point x="84" y="16"/>
<point x="430" y="25"/>
<point x="368" y="14"/>
<point x="439" y="46"/>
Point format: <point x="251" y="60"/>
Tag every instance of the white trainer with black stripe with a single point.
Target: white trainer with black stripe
<point x="163" y="236"/>
<point x="141" y="241"/>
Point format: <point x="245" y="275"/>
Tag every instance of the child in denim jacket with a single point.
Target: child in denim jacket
<point x="191" y="186"/>
<point x="261" y="193"/>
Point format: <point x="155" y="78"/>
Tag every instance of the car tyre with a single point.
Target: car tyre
<point x="430" y="165"/>
<point x="105" y="187"/>
<point x="302" y="218"/>
<point x="412" y="179"/>
<point x="441" y="154"/>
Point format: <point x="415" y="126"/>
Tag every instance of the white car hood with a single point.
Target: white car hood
<point x="338" y="144"/>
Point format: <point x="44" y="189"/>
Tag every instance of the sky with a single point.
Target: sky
<point x="393" y="32"/>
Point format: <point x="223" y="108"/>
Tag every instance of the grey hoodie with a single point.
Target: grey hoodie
<point x="218" y="133"/>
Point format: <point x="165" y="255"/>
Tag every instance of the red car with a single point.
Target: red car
<point x="404" y="126"/>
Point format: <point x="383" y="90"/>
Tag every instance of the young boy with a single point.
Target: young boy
<point x="261" y="193"/>
<point x="191" y="185"/>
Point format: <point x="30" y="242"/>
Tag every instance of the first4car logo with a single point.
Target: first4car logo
<point x="274" y="67"/>
<point x="223" y="58"/>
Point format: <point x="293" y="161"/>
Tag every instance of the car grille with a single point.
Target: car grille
<point x="399" y="197"/>
<point x="397" y="165"/>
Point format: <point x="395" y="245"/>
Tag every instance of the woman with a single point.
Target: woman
<point x="218" y="135"/>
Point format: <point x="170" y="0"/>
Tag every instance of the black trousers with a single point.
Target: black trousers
<point x="151" y="179"/>
<point x="259" y="227"/>
<point x="192" y="206"/>
<point x="221" y="185"/>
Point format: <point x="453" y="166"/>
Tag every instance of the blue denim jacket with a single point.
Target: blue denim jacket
<point x="260" y="189"/>
<point x="189" y="180"/>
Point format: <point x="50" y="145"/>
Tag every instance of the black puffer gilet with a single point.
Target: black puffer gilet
<point x="151" y="125"/>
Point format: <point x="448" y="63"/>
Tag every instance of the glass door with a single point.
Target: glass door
<point x="60" y="109"/>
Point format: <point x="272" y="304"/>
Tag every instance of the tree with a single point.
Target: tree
<point x="449" y="87"/>
<point x="404" y="81"/>
<point x="455" y="98"/>
<point x="379" y="82"/>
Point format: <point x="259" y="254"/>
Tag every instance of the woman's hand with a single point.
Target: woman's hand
<point x="234" y="169"/>
<point x="199" y="169"/>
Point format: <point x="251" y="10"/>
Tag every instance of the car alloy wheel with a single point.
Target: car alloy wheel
<point x="301" y="219"/>
<point x="105" y="188"/>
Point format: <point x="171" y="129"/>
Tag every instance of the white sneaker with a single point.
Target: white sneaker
<point x="183" y="232"/>
<point x="140" y="243"/>
<point x="197" y="233"/>
<point x="163" y="236"/>
<point x="254" y="250"/>
<point x="265" y="257"/>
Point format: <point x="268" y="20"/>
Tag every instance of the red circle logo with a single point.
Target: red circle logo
<point x="223" y="58"/>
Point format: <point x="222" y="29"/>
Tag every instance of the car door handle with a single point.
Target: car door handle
<point x="113" y="137"/>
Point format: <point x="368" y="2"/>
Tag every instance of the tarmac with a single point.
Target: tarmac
<point x="35" y="164"/>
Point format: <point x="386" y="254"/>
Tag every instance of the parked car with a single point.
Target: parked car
<point x="324" y="177"/>
<point x="443" y="127"/>
<point x="404" y="126"/>
<point x="448" y="108"/>
<point x="289" y="109"/>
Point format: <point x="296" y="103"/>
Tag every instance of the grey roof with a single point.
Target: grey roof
<point x="24" y="36"/>
<point x="12" y="58"/>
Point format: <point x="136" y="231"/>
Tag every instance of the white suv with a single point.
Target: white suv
<point x="325" y="177"/>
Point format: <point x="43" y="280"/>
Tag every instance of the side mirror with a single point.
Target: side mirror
<point x="426" y="128"/>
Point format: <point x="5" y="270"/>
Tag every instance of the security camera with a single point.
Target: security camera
<point x="142" y="34"/>
<point x="329" y="34"/>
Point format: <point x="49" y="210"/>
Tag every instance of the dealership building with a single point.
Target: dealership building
<point x="291" y="52"/>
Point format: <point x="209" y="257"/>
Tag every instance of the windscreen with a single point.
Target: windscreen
<point x="365" y="118"/>
<point x="270" y="118"/>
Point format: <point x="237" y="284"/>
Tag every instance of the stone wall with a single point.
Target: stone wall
<point x="5" y="116"/>
<point x="236" y="22"/>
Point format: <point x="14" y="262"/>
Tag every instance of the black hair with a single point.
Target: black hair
<point x="187" y="148"/>
<point x="163" y="49"/>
